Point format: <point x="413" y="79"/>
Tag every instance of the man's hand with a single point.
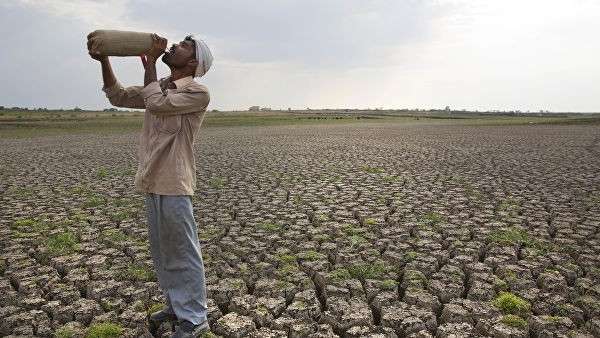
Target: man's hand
<point x="159" y="45"/>
<point x="95" y="54"/>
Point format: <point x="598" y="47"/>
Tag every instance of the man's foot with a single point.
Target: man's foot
<point x="160" y="317"/>
<point x="188" y="330"/>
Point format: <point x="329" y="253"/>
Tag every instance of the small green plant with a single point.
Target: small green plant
<point x="508" y="205"/>
<point x="373" y="170"/>
<point x="516" y="236"/>
<point x="340" y="274"/>
<point x="287" y="259"/>
<point x="62" y="243"/>
<point x="27" y="222"/>
<point x="512" y="304"/>
<point x="356" y="240"/>
<point x="432" y="218"/>
<point x="120" y="216"/>
<point x="64" y="332"/>
<point x="311" y="255"/>
<point x="102" y="172"/>
<point x="391" y="178"/>
<point x="411" y="256"/>
<point x="79" y="190"/>
<point x="370" y="221"/>
<point x="268" y="226"/>
<point x="93" y="201"/>
<point x="514" y="321"/>
<point x="136" y="272"/>
<point x="298" y="200"/>
<point x="154" y="307"/>
<point x="114" y="235"/>
<point x="216" y="182"/>
<point x="367" y="270"/>
<point x="389" y="284"/>
<point x="321" y="237"/>
<point x="104" y="330"/>
<point x="21" y="192"/>
<point x="321" y="217"/>
<point x="350" y="230"/>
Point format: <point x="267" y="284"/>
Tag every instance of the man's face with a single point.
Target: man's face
<point x="180" y="54"/>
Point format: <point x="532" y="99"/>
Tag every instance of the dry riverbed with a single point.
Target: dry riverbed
<point x="353" y="230"/>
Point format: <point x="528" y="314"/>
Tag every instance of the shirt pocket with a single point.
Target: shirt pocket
<point x="169" y="124"/>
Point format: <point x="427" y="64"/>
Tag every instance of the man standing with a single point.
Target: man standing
<point x="175" y="107"/>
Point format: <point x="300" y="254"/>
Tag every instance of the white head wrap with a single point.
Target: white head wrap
<point x="203" y="55"/>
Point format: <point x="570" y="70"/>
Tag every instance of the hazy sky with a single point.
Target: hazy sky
<point x="506" y="54"/>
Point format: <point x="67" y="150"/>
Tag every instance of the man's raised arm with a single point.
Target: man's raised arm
<point x="117" y="95"/>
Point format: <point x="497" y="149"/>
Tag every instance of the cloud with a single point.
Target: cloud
<point x="339" y="53"/>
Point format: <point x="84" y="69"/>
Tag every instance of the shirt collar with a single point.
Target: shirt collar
<point x="183" y="81"/>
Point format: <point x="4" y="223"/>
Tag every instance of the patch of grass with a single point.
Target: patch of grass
<point x="216" y="182"/>
<point x="120" y="215"/>
<point x="64" y="332"/>
<point x="512" y="304"/>
<point x="24" y="223"/>
<point x="370" y="221"/>
<point x="21" y="192"/>
<point x="206" y="234"/>
<point x="287" y="259"/>
<point x="321" y="237"/>
<point x="114" y="235"/>
<point x="389" y="284"/>
<point x="340" y="274"/>
<point x="367" y="270"/>
<point x="62" y="243"/>
<point x="104" y="330"/>
<point x="516" y="236"/>
<point x="373" y="170"/>
<point x="514" y="321"/>
<point x="351" y="230"/>
<point x="508" y="205"/>
<point x="391" y="178"/>
<point x="432" y="218"/>
<point x="356" y="240"/>
<point x="321" y="217"/>
<point x="126" y="172"/>
<point x="155" y="307"/>
<point x="102" y="172"/>
<point x="410" y="256"/>
<point x="268" y="226"/>
<point x="136" y="272"/>
<point x="311" y="255"/>
<point x="79" y="218"/>
<point x="94" y="201"/>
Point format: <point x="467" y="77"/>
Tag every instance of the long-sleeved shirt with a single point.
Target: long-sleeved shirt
<point x="166" y="144"/>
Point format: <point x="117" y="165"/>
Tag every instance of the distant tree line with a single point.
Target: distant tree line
<point x="44" y="109"/>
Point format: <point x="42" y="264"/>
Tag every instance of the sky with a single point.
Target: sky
<point x="391" y="54"/>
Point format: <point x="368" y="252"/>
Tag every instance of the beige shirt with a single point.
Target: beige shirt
<point x="173" y="116"/>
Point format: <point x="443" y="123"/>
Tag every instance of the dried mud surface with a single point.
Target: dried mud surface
<point x="317" y="231"/>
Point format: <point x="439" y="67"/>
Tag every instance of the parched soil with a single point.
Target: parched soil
<point x="364" y="230"/>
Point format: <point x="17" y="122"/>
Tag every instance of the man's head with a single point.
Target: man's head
<point x="190" y="55"/>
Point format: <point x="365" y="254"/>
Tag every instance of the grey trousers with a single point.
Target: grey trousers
<point x="177" y="256"/>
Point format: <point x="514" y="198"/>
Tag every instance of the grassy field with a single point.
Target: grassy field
<point x="24" y="124"/>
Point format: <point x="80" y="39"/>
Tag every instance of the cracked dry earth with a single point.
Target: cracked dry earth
<point x="317" y="231"/>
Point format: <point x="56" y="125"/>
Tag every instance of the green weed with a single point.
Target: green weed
<point x="512" y="304"/>
<point x="104" y="330"/>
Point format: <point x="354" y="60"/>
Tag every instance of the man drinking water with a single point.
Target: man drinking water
<point x="166" y="174"/>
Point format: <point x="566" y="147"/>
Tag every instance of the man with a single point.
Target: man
<point x="166" y="174"/>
